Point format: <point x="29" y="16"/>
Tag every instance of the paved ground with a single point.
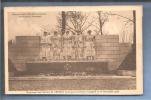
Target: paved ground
<point x="73" y="83"/>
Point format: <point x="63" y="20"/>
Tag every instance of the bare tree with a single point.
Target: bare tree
<point x="61" y="25"/>
<point x="102" y="17"/>
<point x="77" y="21"/>
<point x="127" y="22"/>
<point x="134" y="28"/>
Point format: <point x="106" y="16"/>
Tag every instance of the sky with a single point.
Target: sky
<point x="32" y="24"/>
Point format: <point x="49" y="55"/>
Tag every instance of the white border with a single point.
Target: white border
<point x="139" y="48"/>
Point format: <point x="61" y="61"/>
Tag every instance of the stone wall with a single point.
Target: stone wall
<point x="127" y="57"/>
<point x="107" y="49"/>
<point x="25" y="48"/>
<point x="125" y="48"/>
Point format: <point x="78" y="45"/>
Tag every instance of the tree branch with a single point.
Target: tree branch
<point x="121" y="16"/>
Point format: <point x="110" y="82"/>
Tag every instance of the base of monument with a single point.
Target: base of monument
<point x="126" y="73"/>
<point x="66" y="68"/>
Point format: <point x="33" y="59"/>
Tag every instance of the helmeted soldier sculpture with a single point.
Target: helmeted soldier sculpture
<point x="50" y="43"/>
<point x="44" y="47"/>
<point x="75" y="46"/>
<point x="67" y="46"/>
<point x="56" y="44"/>
<point x="79" y="43"/>
<point x="89" y="46"/>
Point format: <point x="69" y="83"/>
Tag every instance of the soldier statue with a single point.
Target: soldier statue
<point x="89" y="46"/>
<point x="79" y="46"/>
<point x="67" y="46"/>
<point x="44" y="47"/>
<point x="56" y="44"/>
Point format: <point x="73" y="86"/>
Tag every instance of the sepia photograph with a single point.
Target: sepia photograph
<point x="73" y="50"/>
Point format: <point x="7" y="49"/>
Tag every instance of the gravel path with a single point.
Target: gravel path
<point x="73" y="83"/>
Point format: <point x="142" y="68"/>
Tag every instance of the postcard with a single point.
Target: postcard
<point x="73" y="50"/>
